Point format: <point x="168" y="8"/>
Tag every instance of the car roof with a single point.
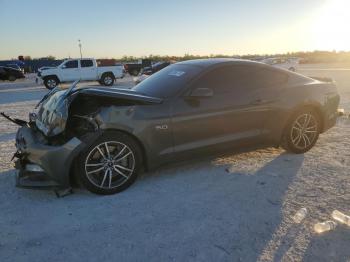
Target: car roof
<point x="212" y="62"/>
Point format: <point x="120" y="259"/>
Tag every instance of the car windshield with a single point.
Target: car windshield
<point x="169" y="81"/>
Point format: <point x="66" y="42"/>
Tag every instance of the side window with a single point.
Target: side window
<point x="219" y="80"/>
<point x="265" y="78"/>
<point x="86" y="63"/>
<point x="240" y="78"/>
<point x="71" y="64"/>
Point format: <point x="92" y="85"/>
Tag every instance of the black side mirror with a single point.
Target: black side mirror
<point x="201" y="93"/>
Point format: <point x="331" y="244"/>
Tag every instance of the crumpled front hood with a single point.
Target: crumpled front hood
<point x="53" y="113"/>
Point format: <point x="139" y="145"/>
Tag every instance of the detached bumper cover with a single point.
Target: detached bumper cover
<point x="56" y="161"/>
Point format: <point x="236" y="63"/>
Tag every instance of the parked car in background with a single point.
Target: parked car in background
<point x="147" y="71"/>
<point x="290" y="64"/>
<point x="85" y="69"/>
<point x="155" y="68"/>
<point x="15" y="66"/>
<point x="135" y="68"/>
<point x="105" y="136"/>
<point x="10" y="73"/>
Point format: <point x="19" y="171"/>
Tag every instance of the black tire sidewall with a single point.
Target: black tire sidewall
<point x="108" y="136"/>
<point x="287" y="143"/>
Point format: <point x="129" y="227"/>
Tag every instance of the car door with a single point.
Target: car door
<point x="69" y="71"/>
<point x="87" y="70"/>
<point x="232" y="115"/>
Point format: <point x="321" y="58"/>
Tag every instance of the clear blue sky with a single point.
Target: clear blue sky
<point x="139" y="27"/>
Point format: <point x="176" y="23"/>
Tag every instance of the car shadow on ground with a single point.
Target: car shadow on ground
<point x="242" y="209"/>
<point x="195" y="211"/>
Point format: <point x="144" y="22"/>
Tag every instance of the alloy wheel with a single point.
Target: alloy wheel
<point x="304" y="131"/>
<point x="109" y="164"/>
<point x="108" y="80"/>
<point x="51" y="83"/>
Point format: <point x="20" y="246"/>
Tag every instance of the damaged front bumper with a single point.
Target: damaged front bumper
<point x="44" y="165"/>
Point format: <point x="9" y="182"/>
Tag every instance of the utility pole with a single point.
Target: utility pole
<point x="81" y="56"/>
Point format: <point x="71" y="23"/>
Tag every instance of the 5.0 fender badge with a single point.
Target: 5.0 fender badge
<point x="161" y="127"/>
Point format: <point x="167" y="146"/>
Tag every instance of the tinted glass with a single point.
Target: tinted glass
<point x="236" y="78"/>
<point x="72" y="64"/>
<point x="169" y="81"/>
<point x="86" y="63"/>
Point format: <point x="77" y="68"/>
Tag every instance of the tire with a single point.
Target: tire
<point x="302" y="131"/>
<point x="12" y="78"/>
<point x="107" y="79"/>
<point x="51" y="82"/>
<point x="134" y="72"/>
<point x="111" y="171"/>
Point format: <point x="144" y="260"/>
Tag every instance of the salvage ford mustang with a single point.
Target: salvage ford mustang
<point x="103" y="137"/>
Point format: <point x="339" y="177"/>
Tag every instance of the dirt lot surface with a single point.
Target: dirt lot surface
<point x="230" y="208"/>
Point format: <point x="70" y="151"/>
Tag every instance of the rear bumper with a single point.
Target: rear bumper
<point x="330" y="111"/>
<point x="329" y="121"/>
<point x="53" y="162"/>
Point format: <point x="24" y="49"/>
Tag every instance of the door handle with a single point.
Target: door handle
<point x="258" y="101"/>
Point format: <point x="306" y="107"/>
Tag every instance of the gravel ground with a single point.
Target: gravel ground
<point x="236" y="207"/>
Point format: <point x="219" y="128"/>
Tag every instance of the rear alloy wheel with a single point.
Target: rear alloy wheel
<point x="302" y="132"/>
<point x="107" y="79"/>
<point x="110" y="165"/>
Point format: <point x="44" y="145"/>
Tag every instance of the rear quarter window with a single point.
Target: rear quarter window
<point x="240" y="78"/>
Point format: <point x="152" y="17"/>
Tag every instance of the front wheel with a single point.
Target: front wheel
<point x="302" y="131"/>
<point x="50" y="82"/>
<point x="110" y="164"/>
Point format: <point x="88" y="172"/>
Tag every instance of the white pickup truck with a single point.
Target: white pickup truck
<point x="290" y="64"/>
<point x="85" y="69"/>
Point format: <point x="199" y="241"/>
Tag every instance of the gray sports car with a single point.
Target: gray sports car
<point x="103" y="137"/>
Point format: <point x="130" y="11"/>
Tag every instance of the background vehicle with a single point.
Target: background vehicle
<point x="147" y="71"/>
<point x="135" y="68"/>
<point x="15" y="66"/>
<point x="192" y="108"/>
<point x="10" y="73"/>
<point x="84" y="69"/>
<point x="155" y="68"/>
<point x="290" y="64"/>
